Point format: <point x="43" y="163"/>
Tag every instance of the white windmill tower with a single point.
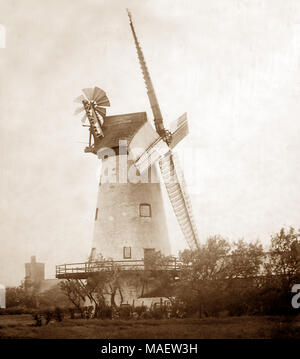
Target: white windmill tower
<point x="130" y="219"/>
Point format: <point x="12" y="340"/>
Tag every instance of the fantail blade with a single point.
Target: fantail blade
<point x="101" y="111"/>
<point x="100" y="97"/>
<point x="88" y="93"/>
<point x="98" y="94"/>
<point x="83" y="119"/>
<point x="78" y="110"/>
<point x="103" y="102"/>
<point x="79" y="99"/>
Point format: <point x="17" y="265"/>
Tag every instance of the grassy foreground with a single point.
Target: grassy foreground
<point x="22" y="326"/>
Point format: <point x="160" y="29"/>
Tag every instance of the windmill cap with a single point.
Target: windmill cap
<point x="122" y="127"/>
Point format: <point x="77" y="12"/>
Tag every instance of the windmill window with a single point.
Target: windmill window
<point x="145" y="210"/>
<point x="126" y="252"/>
<point x="96" y="214"/>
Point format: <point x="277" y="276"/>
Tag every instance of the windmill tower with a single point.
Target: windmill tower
<point x="130" y="220"/>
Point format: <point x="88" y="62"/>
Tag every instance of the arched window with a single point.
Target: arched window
<point x="145" y="210"/>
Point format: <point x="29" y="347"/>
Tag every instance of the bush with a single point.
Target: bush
<point x="140" y="310"/>
<point x="15" y="311"/>
<point x="38" y="319"/>
<point x="58" y="314"/>
<point x="159" y="313"/>
<point x="147" y="315"/>
<point x="48" y="315"/>
<point x="72" y="313"/>
<point x="103" y="312"/>
<point x="87" y="312"/>
<point x="125" y="311"/>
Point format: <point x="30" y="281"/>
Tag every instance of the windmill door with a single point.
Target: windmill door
<point x="148" y="258"/>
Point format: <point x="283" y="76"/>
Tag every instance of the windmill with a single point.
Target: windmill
<point x="130" y="220"/>
<point x="168" y="161"/>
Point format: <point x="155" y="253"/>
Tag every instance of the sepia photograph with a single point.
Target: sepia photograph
<point x="150" y="172"/>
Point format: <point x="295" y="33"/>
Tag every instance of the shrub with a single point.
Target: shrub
<point x="125" y="311"/>
<point x="48" y="315"/>
<point x="58" y="314"/>
<point x="147" y="315"/>
<point x="140" y="310"/>
<point x="159" y="312"/>
<point x="72" y="313"/>
<point x="87" y="312"/>
<point x="103" y="312"/>
<point x="38" y="319"/>
<point x="15" y="311"/>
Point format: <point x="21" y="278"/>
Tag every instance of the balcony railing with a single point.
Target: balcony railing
<point x="85" y="269"/>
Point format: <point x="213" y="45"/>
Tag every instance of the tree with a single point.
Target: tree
<point x="74" y="292"/>
<point x="283" y="262"/>
<point x="19" y="297"/>
<point x="103" y="283"/>
<point x="158" y="276"/>
<point x="245" y="259"/>
<point x="54" y="297"/>
<point x="219" y="275"/>
<point x="203" y="275"/>
<point x="244" y="280"/>
<point x="281" y="272"/>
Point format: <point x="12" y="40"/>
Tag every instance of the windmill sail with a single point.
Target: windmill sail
<point x="176" y="188"/>
<point x="147" y="147"/>
<point x="152" y="149"/>
<point x="179" y="129"/>
<point x="158" y="120"/>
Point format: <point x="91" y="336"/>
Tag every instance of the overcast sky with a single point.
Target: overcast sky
<point x="232" y="65"/>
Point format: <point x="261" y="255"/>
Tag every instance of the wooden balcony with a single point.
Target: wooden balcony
<point x="88" y="269"/>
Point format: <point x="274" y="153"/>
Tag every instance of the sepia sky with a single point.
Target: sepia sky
<point x="232" y="65"/>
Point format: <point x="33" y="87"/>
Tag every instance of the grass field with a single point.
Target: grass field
<point x="22" y="326"/>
